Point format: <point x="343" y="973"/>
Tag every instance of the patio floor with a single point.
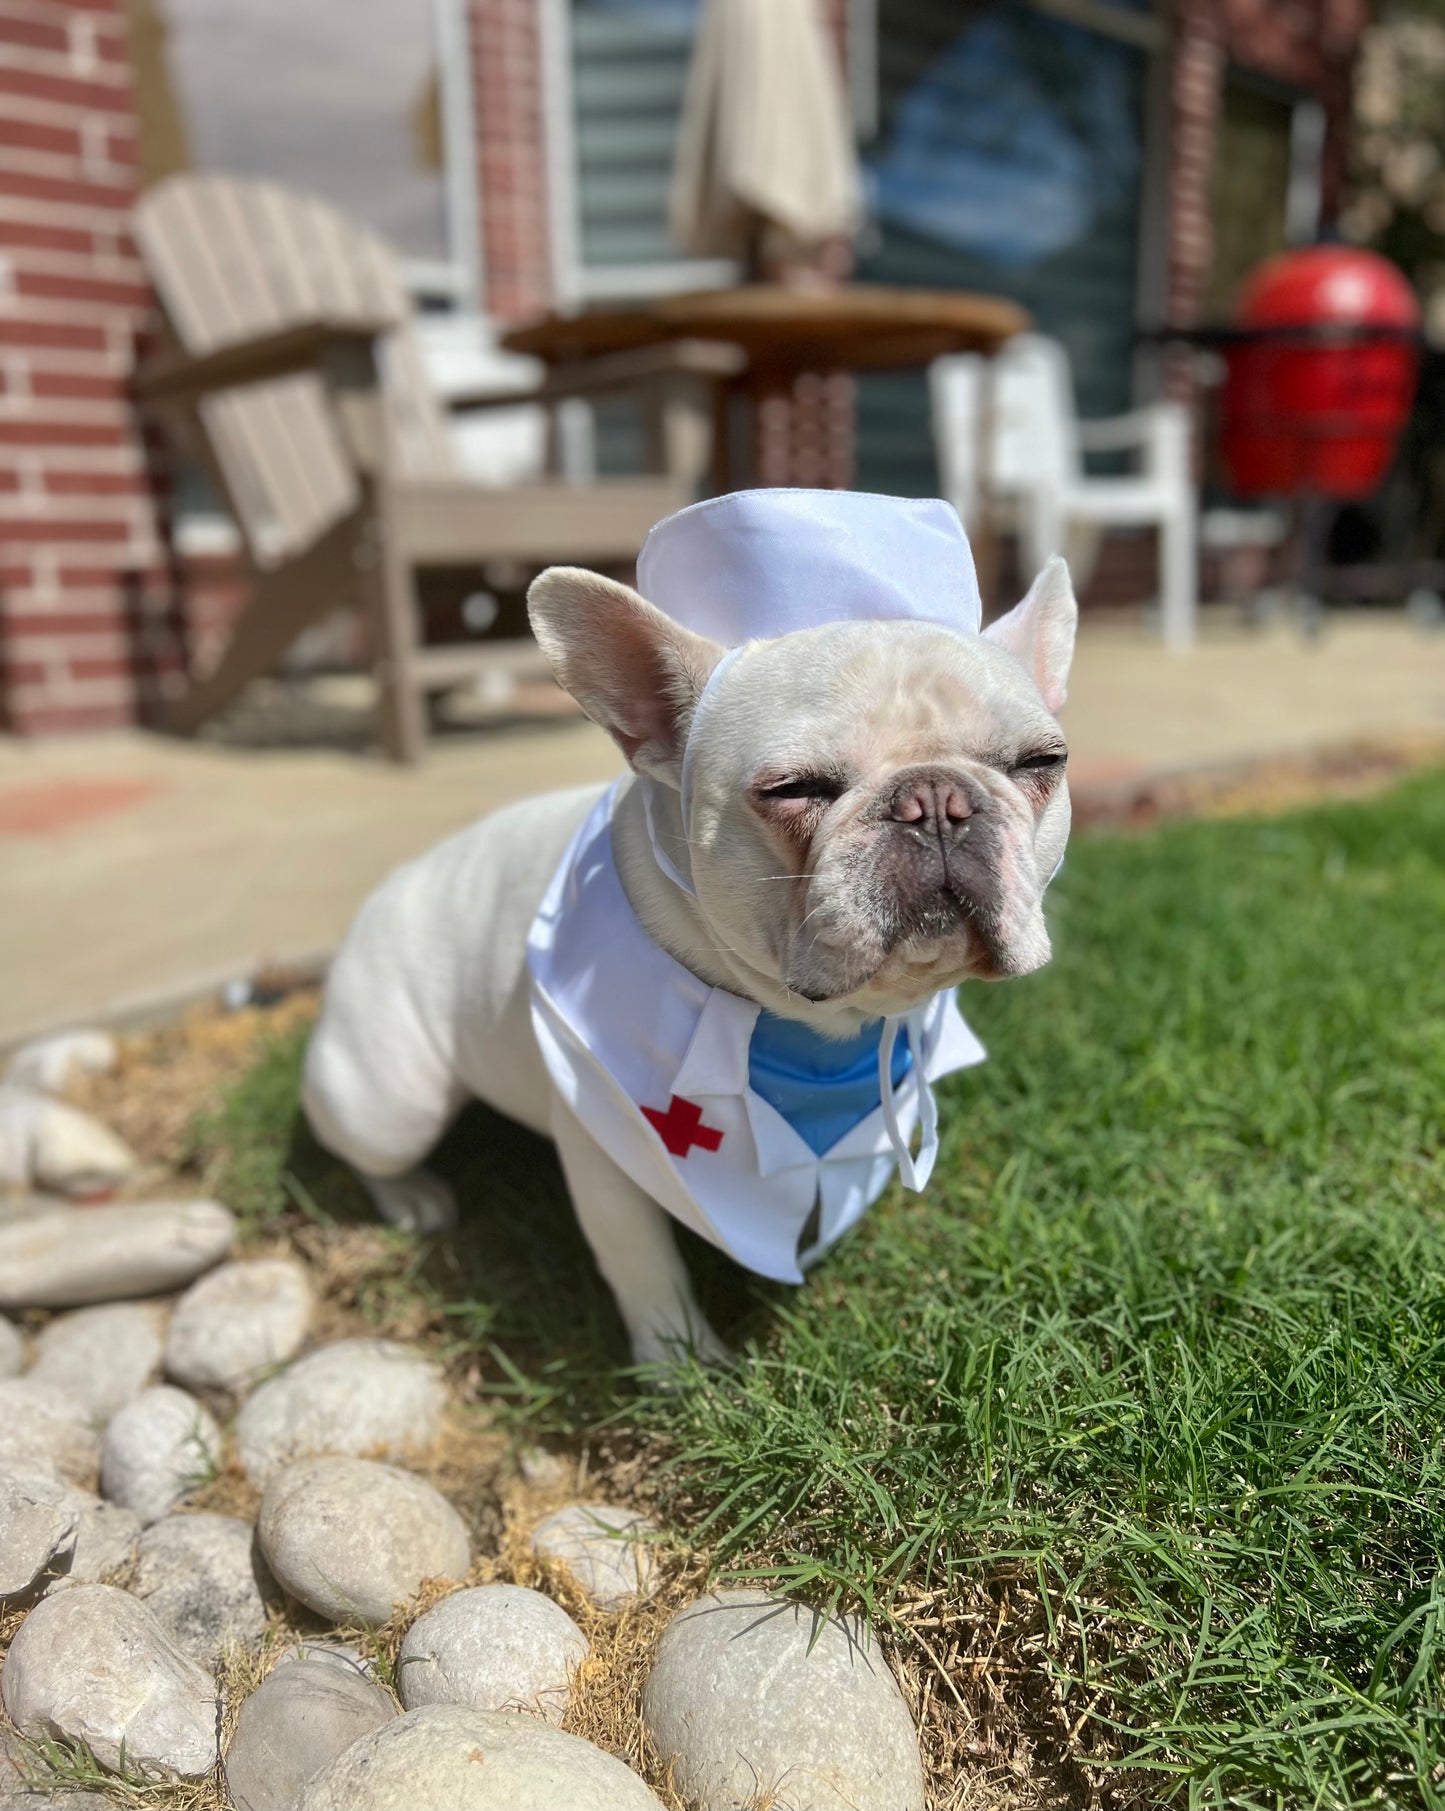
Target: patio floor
<point x="135" y="870"/>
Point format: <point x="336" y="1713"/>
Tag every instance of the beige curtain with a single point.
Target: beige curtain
<point x="765" y="146"/>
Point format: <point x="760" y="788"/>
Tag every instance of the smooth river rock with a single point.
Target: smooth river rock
<point x="206" y="1581"/>
<point x="37" y="1521"/>
<point x="14" y="1208"/>
<point x="755" y="1699"/>
<point x="53" y="1062"/>
<point x="101" y="1357"/>
<point x="330" y="1651"/>
<point x="48" y="1145"/>
<point x="106" y="1535"/>
<point x="42" y="1426"/>
<point x="475" y="1760"/>
<point x="94" y="1665"/>
<point x="77" y="1255"/>
<point x="301" y="1716"/>
<point x="49" y="1527"/>
<point x="351" y="1538"/>
<point x="605" y="1549"/>
<point x="360" y="1396"/>
<point x="157" y="1450"/>
<point x="544" y="1470"/>
<point x="496" y="1647"/>
<point x="238" y="1323"/>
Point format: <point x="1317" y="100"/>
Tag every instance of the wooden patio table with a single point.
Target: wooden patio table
<point x="786" y="330"/>
<point x="782" y="333"/>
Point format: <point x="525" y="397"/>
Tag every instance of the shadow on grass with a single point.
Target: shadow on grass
<point x="514" y="1279"/>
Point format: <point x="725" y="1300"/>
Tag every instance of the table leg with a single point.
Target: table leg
<point x="758" y="453"/>
<point x="721" y="474"/>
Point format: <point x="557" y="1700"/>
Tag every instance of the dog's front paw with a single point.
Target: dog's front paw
<point x="416" y="1202"/>
<point x="660" y="1348"/>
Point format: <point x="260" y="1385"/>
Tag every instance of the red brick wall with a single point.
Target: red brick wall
<point x="1196" y="81"/>
<point x="1308" y="43"/>
<point x="84" y="593"/>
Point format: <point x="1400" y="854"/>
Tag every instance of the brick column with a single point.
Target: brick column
<point x="512" y="179"/>
<point x="1312" y="44"/>
<point x="1342" y="25"/>
<point x="1196" y="95"/>
<point x="807" y="436"/>
<point x="83" y="583"/>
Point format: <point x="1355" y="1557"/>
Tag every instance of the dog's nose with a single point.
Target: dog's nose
<point x="931" y="800"/>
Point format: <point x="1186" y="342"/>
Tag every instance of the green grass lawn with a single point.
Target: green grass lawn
<point x="1156" y="1370"/>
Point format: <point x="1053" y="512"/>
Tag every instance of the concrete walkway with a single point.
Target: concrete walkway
<point x="134" y="869"/>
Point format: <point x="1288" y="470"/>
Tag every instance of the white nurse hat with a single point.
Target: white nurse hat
<point x="756" y="564"/>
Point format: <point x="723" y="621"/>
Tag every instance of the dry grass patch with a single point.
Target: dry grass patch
<point x="1262" y="787"/>
<point x="166" y="1077"/>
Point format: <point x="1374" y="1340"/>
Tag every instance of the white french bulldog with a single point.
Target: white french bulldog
<point x="822" y="834"/>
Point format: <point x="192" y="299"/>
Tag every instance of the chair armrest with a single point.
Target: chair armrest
<point x="1118" y="433"/>
<point x="179" y="377"/>
<point x="638" y="368"/>
<point x="467" y="402"/>
<point x="1162" y="433"/>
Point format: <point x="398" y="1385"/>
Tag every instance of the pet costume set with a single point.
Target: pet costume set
<point x="753" y="1130"/>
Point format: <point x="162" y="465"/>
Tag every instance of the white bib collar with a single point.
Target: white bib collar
<point x="654" y="1062"/>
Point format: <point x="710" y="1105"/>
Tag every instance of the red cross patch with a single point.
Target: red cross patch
<point x="681" y="1127"/>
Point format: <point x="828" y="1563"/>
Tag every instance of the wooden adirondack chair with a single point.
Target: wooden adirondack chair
<point x="298" y="379"/>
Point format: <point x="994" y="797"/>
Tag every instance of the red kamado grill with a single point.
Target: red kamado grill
<point x="1322" y="363"/>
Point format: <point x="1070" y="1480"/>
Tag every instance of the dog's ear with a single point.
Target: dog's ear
<point x="632" y="669"/>
<point x="1039" y="632"/>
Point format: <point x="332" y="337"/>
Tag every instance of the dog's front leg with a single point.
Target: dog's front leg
<point x="631" y="1239"/>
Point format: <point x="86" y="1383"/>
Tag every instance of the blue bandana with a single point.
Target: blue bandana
<point x="822" y="1086"/>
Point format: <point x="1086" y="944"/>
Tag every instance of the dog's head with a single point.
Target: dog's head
<point x="875" y="808"/>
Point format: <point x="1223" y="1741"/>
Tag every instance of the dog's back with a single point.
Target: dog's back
<point x="426" y="1003"/>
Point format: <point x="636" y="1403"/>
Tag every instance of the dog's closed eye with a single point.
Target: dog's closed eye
<point x="809" y="786"/>
<point x="1040" y="762"/>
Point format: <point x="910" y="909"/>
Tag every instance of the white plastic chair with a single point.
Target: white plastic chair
<point x="1035" y="480"/>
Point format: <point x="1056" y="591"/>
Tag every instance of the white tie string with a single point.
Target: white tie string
<point x="659" y="854"/>
<point x="913" y="1172"/>
<point x="679" y="876"/>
